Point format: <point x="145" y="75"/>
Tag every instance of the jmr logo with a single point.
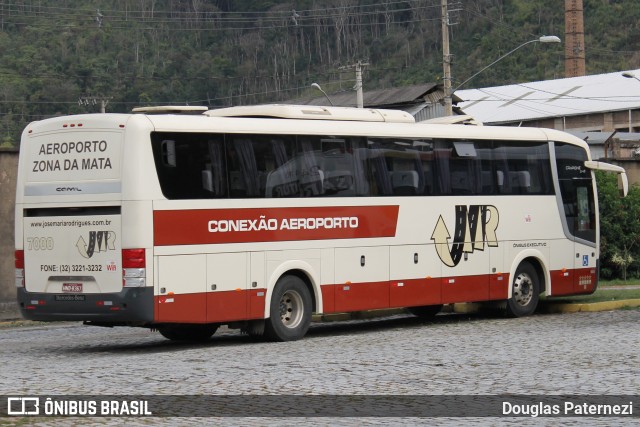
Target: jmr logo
<point x="475" y="224"/>
<point x="99" y="241"/>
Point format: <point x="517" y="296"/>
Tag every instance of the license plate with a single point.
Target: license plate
<point x="72" y="287"/>
<point x="69" y="297"/>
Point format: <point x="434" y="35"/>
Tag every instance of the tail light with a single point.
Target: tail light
<point x="19" y="255"/>
<point x="134" y="270"/>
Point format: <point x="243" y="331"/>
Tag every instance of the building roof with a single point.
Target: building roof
<point x="593" y="138"/>
<point x="552" y="98"/>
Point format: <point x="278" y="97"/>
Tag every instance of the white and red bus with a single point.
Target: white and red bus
<point x="257" y="217"/>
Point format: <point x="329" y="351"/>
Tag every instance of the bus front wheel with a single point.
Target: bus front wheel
<point x="290" y="310"/>
<point x="525" y="290"/>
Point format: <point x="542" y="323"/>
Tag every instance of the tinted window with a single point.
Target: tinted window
<point x="522" y="168"/>
<point x="190" y="165"/>
<point x="197" y="166"/>
<point x="576" y="189"/>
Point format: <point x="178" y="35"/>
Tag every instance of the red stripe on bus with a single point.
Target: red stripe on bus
<point x="573" y="282"/>
<point x="228" y="306"/>
<point x="209" y="226"/>
<point x="211" y="307"/>
<point x="416" y="292"/>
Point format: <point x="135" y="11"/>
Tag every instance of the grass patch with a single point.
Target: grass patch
<point x="20" y="323"/>
<point x="618" y="282"/>
<point x="602" y="294"/>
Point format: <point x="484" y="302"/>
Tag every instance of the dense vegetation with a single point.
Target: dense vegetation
<point x="225" y="52"/>
<point x="620" y="229"/>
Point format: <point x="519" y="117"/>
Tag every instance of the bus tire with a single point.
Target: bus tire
<point x="180" y="332"/>
<point x="290" y="310"/>
<point x="425" y="311"/>
<point x="525" y="291"/>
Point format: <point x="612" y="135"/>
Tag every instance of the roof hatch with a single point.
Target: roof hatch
<point x="312" y="112"/>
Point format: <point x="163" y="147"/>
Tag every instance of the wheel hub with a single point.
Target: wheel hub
<point x="291" y="309"/>
<point x="522" y="287"/>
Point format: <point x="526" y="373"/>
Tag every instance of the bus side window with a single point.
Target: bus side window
<point x="405" y="182"/>
<point x="243" y="171"/>
<point x="501" y="166"/>
<point x="407" y="174"/>
<point x="272" y="169"/>
<point x="380" y="170"/>
<point x="488" y="176"/>
<point x="338" y="166"/>
<point x="168" y="149"/>
<point x="361" y="176"/>
<point x="214" y="177"/>
<point x="310" y="174"/>
<point x="443" y="171"/>
<point x="524" y="168"/>
<point x="184" y="164"/>
<point x="280" y="174"/>
<point x="466" y="175"/>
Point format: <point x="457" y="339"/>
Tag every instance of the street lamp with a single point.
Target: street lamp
<point x="543" y="39"/>
<point x="317" y="86"/>
<point x="630" y="75"/>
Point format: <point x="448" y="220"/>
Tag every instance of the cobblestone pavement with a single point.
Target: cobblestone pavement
<point x="580" y="353"/>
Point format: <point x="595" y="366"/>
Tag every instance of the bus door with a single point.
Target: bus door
<point x="578" y="205"/>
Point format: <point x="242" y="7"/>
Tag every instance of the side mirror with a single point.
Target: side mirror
<point x="623" y="181"/>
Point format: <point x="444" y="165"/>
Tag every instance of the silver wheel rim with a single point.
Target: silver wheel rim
<point x="291" y="309"/>
<point x="523" y="289"/>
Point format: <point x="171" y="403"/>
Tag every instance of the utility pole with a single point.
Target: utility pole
<point x="358" y="87"/>
<point x="446" y="61"/>
<point x="93" y="100"/>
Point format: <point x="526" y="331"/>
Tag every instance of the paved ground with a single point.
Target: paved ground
<point x="580" y="353"/>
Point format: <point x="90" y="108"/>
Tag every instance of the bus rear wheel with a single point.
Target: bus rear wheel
<point x="525" y="291"/>
<point x="179" y="332"/>
<point x="290" y="310"/>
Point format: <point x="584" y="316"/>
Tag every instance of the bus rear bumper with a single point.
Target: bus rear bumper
<point x="131" y="306"/>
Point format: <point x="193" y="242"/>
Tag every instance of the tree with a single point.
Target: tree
<point x="619" y="225"/>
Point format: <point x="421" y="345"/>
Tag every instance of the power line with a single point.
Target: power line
<point x="208" y="16"/>
<point x="235" y="15"/>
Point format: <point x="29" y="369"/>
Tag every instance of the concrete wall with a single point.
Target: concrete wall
<point x="8" y="173"/>
<point x="631" y="166"/>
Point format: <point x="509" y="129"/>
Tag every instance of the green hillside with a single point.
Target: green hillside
<point x="226" y="52"/>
